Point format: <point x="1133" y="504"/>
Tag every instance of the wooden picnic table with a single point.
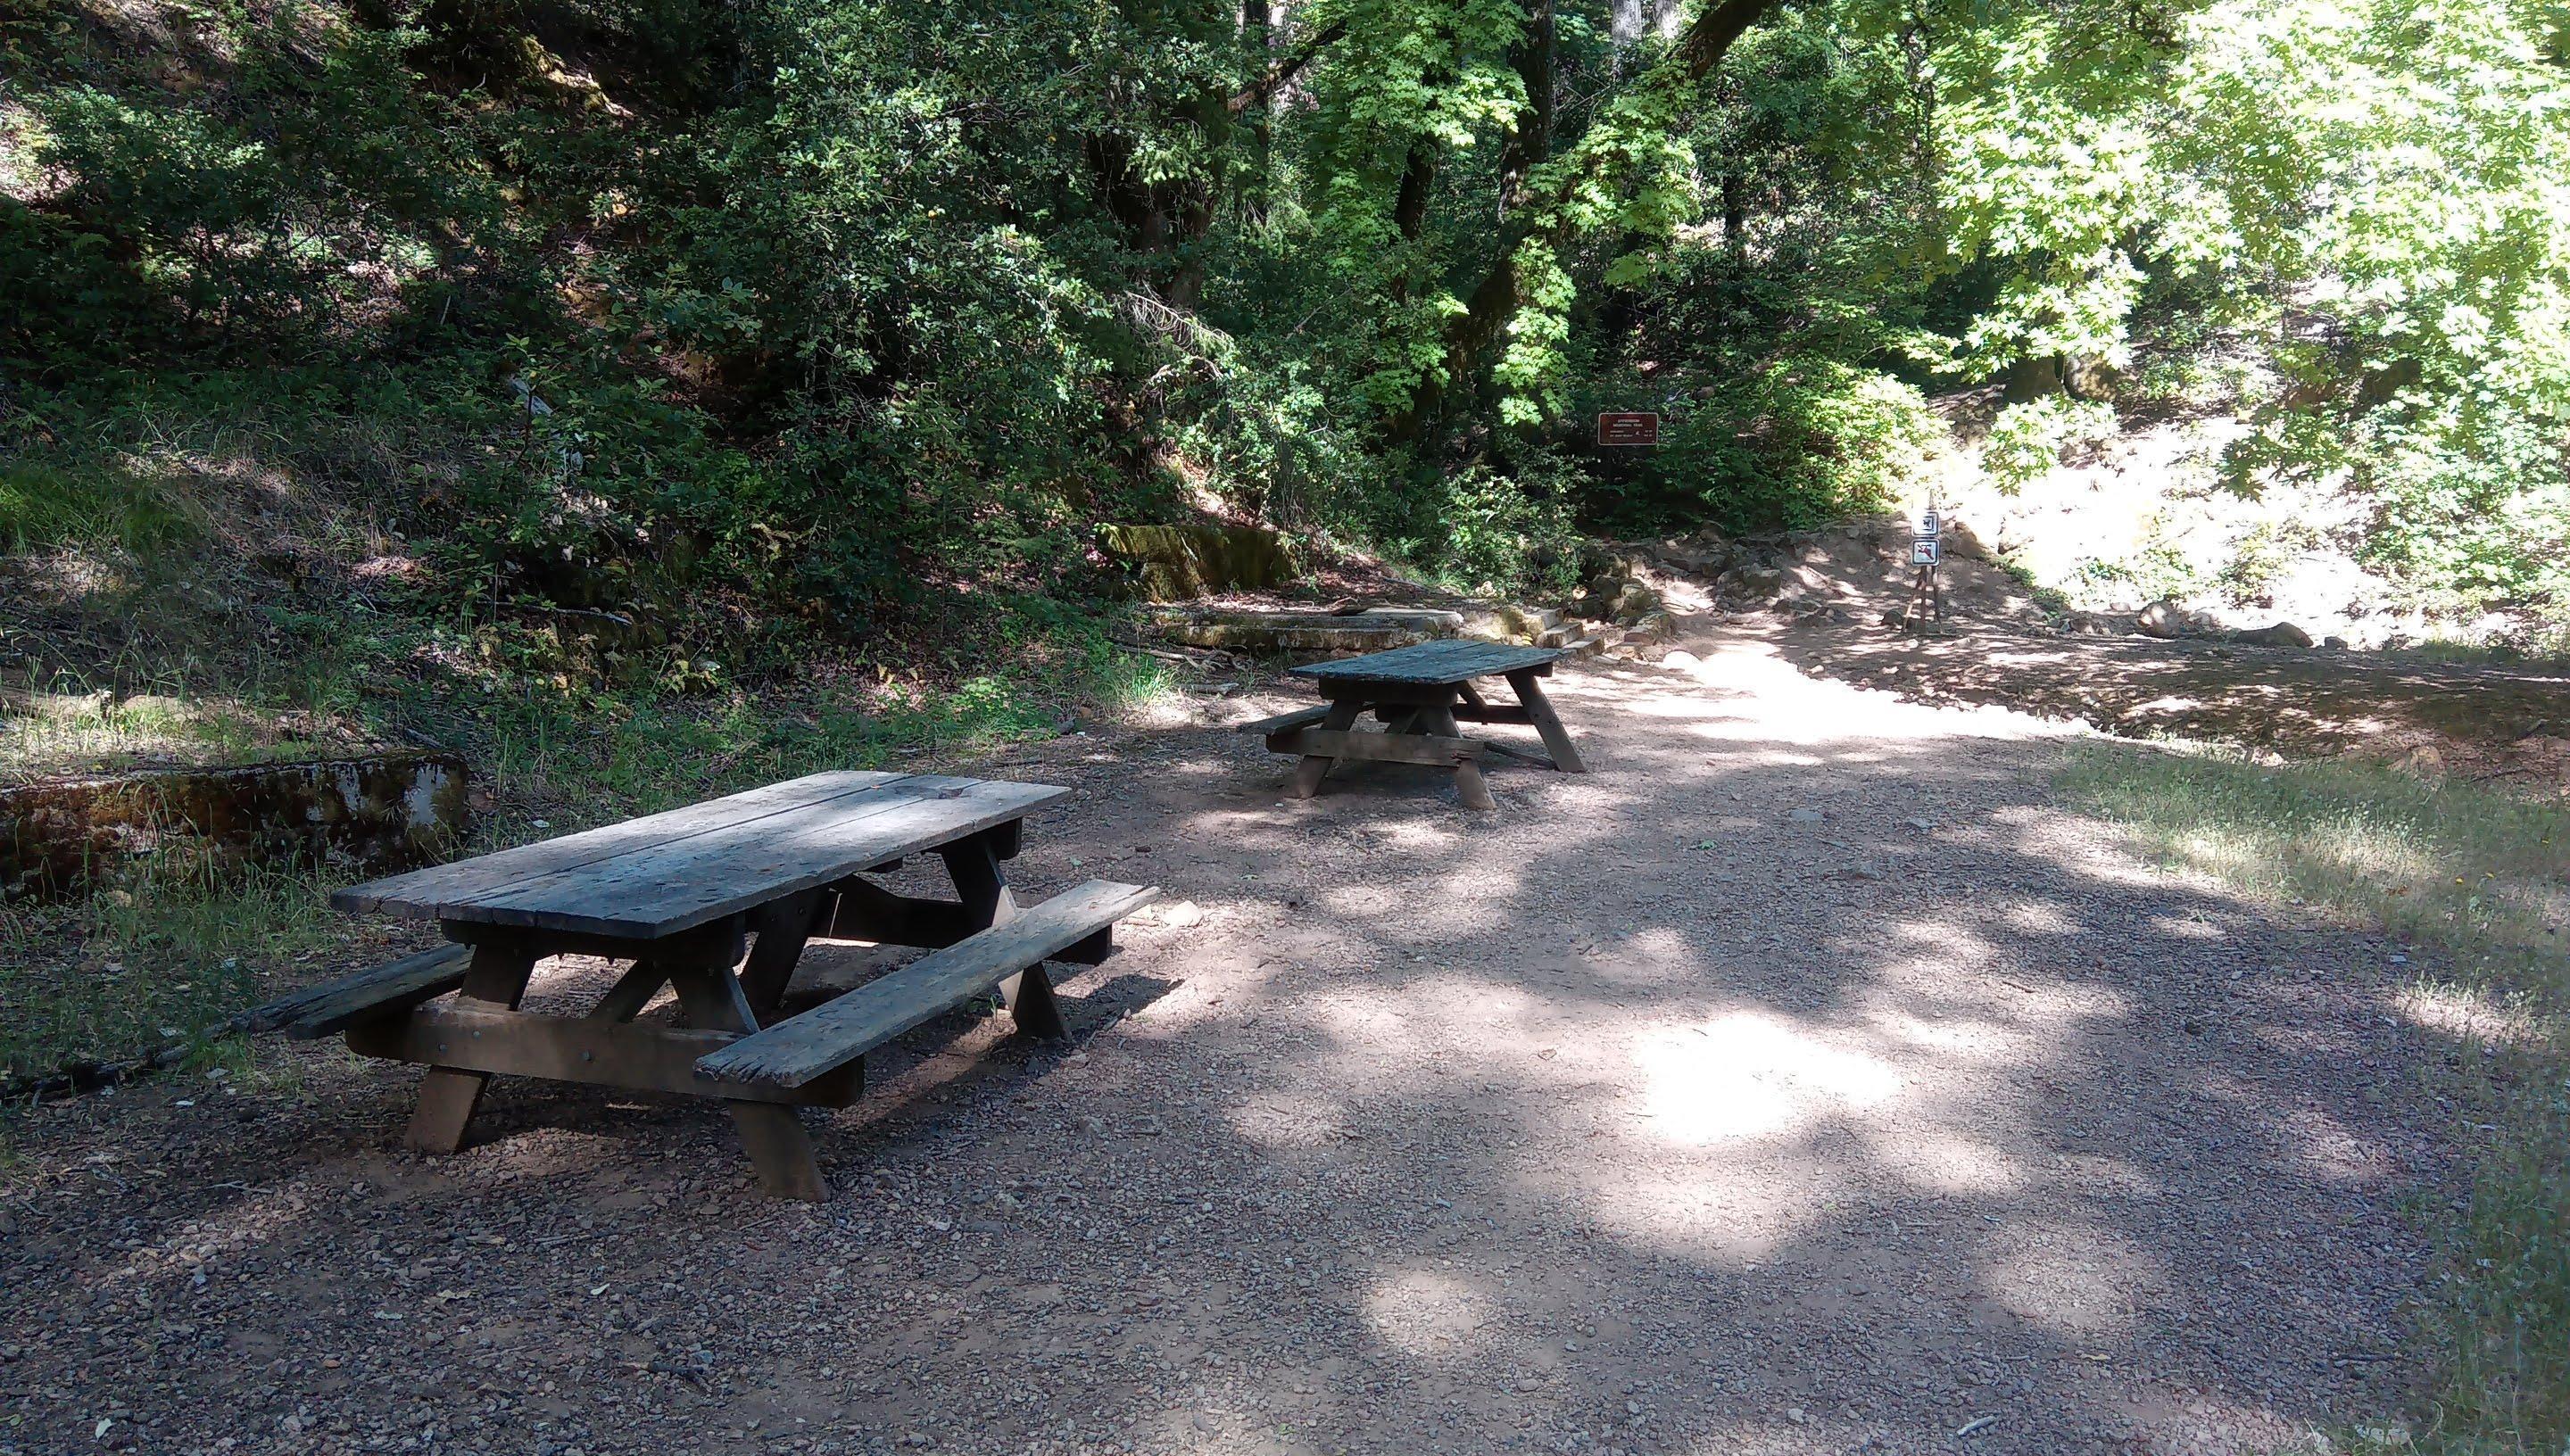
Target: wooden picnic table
<point x="1420" y="694"/>
<point x="715" y="902"/>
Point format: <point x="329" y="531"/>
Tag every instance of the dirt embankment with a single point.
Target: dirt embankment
<point x="1824" y="599"/>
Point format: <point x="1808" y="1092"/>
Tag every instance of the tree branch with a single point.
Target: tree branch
<point x="1257" y="92"/>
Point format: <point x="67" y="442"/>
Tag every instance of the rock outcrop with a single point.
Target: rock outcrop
<point x="1177" y="562"/>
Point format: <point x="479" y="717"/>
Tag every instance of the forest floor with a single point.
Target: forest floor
<point x="1808" y="1078"/>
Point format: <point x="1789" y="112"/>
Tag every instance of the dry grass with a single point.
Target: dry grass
<point x="2482" y="879"/>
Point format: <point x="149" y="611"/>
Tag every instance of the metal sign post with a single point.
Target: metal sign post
<point x="1926" y="586"/>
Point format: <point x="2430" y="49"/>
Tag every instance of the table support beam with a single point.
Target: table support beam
<point x="1315" y="766"/>
<point x="1548" y="723"/>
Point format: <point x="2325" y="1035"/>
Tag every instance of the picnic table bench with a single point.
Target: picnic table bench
<point x="1422" y="694"/>
<point x="715" y="902"/>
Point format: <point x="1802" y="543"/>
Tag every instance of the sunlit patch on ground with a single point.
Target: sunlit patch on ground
<point x="1942" y="1162"/>
<point x="1748" y="1076"/>
<point x="2470" y="1015"/>
<point x="2081" y="1280"/>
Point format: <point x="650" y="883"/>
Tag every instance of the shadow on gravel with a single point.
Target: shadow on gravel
<point x="1799" y="1081"/>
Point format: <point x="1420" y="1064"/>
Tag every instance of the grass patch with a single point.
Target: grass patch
<point x="44" y="506"/>
<point x="2483" y="876"/>
<point x="124" y="972"/>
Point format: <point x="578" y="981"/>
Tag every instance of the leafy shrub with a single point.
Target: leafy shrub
<point x="1806" y="442"/>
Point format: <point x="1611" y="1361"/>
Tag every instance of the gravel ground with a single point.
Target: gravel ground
<point x="1801" y="1081"/>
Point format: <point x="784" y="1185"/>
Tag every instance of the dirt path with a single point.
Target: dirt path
<point x="1802" y="1081"/>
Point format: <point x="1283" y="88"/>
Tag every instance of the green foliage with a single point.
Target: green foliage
<point x="2027" y="439"/>
<point x="1493" y="533"/>
<point x="853" y="306"/>
<point x="1809" y="441"/>
<point x="43" y="505"/>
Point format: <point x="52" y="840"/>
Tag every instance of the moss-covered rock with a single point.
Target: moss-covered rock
<point x="381" y="812"/>
<point x="1177" y="562"/>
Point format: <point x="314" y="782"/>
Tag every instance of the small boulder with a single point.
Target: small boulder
<point x="1751" y="583"/>
<point x="2280" y="634"/>
<point x="2166" y="619"/>
<point x="1961" y="542"/>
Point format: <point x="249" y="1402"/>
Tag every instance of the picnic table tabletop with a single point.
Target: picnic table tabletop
<point x="654" y="876"/>
<point x="1453" y="660"/>
<point x="714" y="902"/>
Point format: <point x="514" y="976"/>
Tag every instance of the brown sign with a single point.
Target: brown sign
<point x="1628" y="429"/>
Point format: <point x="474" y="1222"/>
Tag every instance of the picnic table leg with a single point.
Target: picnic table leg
<point x="449" y="1095"/>
<point x="782" y="928"/>
<point x="983" y="885"/>
<point x="1548" y="723"/>
<point x="1309" y="773"/>
<point x="632" y="993"/>
<point x="779" y="1146"/>
<point x="1470" y="786"/>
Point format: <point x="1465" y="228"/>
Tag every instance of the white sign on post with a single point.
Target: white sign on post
<point x="1922" y="551"/>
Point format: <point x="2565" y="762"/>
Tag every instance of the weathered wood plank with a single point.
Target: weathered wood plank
<point x="773" y="1137"/>
<point x="317" y="1010"/>
<point x="1469" y="784"/>
<point x="420" y="892"/>
<point x="783" y="926"/>
<point x="1299" y="718"/>
<point x="1494" y="713"/>
<point x="868" y="911"/>
<point x="1371" y="694"/>
<point x="718" y="942"/>
<point x="671" y="888"/>
<point x="1447" y="661"/>
<point x="632" y="993"/>
<point x="578" y="1049"/>
<point x="796" y="1051"/>
<point x="1435" y="751"/>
